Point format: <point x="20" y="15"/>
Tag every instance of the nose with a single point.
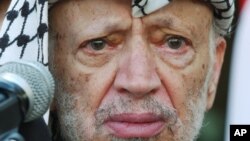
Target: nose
<point x="137" y="74"/>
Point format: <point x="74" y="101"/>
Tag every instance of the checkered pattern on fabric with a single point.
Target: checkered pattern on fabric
<point x="223" y="11"/>
<point x="24" y="33"/>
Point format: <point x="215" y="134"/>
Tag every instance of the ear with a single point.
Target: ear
<point x="219" y="58"/>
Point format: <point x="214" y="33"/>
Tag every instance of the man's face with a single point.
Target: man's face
<point x="121" y="78"/>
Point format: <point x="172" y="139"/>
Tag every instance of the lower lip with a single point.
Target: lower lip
<point x="132" y="130"/>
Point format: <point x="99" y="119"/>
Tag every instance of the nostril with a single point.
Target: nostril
<point x="122" y="91"/>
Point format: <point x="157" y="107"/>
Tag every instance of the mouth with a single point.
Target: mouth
<point x="131" y="125"/>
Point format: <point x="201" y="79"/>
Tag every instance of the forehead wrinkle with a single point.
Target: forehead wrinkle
<point x="176" y="17"/>
<point x="92" y="19"/>
<point x="105" y="26"/>
<point x="117" y="26"/>
<point x="172" y="23"/>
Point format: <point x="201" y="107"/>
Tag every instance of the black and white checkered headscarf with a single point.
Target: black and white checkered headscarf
<point x="223" y="11"/>
<point x="24" y="33"/>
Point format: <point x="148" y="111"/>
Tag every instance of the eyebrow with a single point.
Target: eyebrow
<point x="173" y="23"/>
<point x="106" y="28"/>
<point x="116" y="26"/>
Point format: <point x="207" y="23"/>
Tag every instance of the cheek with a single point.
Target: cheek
<point x="194" y="89"/>
<point x="184" y="85"/>
<point x="194" y="81"/>
<point x="88" y="84"/>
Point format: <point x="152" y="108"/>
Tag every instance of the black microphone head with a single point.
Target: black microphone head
<point x="37" y="83"/>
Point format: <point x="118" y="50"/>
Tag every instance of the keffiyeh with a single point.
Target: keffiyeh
<point x="223" y="11"/>
<point x="24" y="33"/>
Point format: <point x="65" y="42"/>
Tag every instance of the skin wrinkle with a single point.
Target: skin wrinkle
<point x="87" y="95"/>
<point x="72" y="103"/>
<point x="101" y="59"/>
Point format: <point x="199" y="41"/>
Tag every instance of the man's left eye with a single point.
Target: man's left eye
<point x="175" y="42"/>
<point x="97" y="44"/>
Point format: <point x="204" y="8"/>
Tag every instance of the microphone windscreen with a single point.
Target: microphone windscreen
<point x="39" y="80"/>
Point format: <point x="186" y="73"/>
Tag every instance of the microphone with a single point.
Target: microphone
<point x="26" y="91"/>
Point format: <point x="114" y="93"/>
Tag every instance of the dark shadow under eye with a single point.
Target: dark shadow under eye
<point x="97" y="44"/>
<point x="175" y="42"/>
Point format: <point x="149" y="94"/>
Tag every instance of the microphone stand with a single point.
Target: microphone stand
<point x="12" y="135"/>
<point x="11" y="111"/>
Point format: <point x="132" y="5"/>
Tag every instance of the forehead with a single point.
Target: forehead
<point x="192" y="14"/>
<point x="189" y="16"/>
<point x="143" y="5"/>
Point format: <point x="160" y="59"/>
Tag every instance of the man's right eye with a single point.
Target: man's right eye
<point x="95" y="46"/>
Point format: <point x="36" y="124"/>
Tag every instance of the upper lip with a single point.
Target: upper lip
<point x="136" y="118"/>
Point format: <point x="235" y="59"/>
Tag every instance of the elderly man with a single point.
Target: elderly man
<point x="148" y="75"/>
